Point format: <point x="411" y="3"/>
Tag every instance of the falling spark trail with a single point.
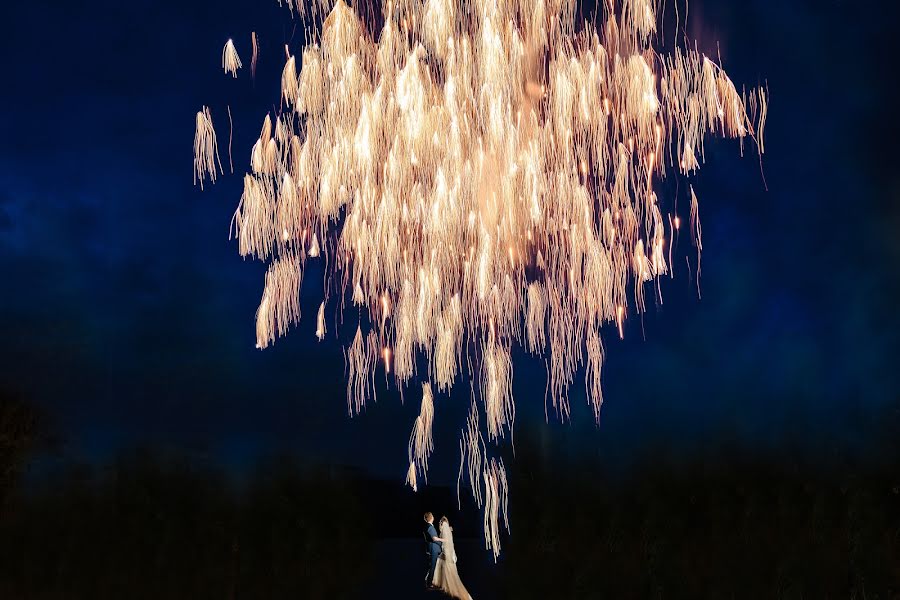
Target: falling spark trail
<point x="421" y="443"/>
<point x="320" y="322"/>
<point x="230" y="136"/>
<point x="698" y="234"/>
<point x="231" y="62"/>
<point x="255" y="57"/>
<point x="206" y="150"/>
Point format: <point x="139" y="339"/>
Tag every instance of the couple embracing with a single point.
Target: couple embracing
<point x="442" y="574"/>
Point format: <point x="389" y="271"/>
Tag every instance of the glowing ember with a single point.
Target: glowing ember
<point x="478" y="175"/>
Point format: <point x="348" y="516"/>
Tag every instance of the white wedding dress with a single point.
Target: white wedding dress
<point x="446" y="576"/>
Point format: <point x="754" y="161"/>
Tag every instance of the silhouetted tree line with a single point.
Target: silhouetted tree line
<point x="20" y="432"/>
<point x="720" y="526"/>
<point x="716" y="525"/>
<point x="156" y="527"/>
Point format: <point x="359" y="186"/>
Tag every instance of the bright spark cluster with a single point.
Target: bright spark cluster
<point x="231" y="62"/>
<point x="478" y="175"/>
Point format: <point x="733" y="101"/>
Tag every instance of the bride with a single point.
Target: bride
<point x="446" y="576"/>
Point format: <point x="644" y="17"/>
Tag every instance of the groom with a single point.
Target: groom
<point x="433" y="545"/>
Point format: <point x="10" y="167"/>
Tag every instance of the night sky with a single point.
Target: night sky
<point x="128" y="316"/>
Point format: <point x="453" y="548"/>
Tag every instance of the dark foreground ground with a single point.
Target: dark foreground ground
<point x="157" y="525"/>
<point x="162" y="529"/>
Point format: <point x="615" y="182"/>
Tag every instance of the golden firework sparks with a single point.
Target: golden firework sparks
<point x="477" y="176"/>
<point x="206" y="150"/>
<point x="320" y="322"/>
<point x="496" y="497"/>
<point x="231" y="62"/>
<point x="254" y="42"/>
<point x="421" y="443"/>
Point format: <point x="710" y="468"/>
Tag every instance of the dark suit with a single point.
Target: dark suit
<point x="433" y="550"/>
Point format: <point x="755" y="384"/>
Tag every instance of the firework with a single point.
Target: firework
<point x="320" y="322"/>
<point x="420" y="440"/>
<point x="255" y="57"/>
<point x="231" y="62"/>
<point x="496" y="495"/>
<point x="206" y="150"/>
<point x="478" y="176"/>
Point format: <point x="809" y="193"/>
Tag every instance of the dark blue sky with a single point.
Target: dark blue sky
<point x="129" y="316"/>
